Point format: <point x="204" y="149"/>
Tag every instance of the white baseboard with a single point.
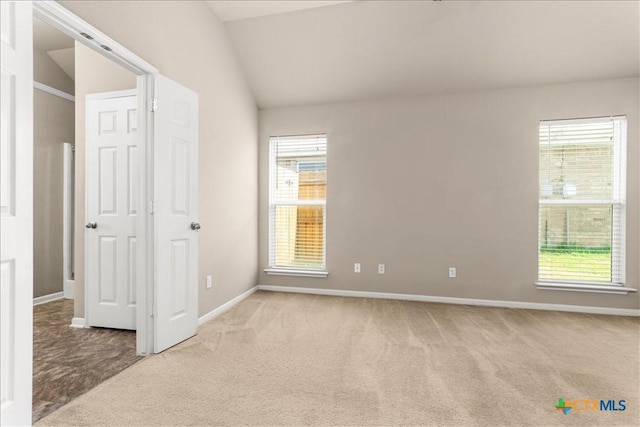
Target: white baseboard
<point x="78" y="322"/>
<point x="69" y="289"/>
<point x="455" y="300"/>
<point x="48" y="298"/>
<point x="226" y="306"/>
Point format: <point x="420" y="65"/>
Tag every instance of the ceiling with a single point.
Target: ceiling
<point x="46" y="38"/>
<point x="66" y="59"/>
<point x="56" y="44"/>
<point x="231" y="10"/>
<point x="379" y="49"/>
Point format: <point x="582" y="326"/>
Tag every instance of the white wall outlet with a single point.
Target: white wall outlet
<point x="356" y="267"/>
<point x="380" y="268"/>
<point x="209" y="282"/>
<point x="452" y="272"/>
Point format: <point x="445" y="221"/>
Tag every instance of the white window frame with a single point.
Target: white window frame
<point x="618" y="205"/>
<point x="273" y="204"/>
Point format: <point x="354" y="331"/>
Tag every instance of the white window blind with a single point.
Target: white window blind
<point x="297" y="202"/>
<point x="582" y="171"/>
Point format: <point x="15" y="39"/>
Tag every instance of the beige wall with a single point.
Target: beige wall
<point x="94" y="74"/>
<point x="53" y="120"/>
<point x="53" y="124"/>
<point x="422" y="184"/>
<point x="188" y="44"/>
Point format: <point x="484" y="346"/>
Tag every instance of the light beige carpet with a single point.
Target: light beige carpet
<point x="287" y="359"/>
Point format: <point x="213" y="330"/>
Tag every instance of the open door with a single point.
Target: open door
<point x="112" y="207"/>
<point x="175" y="210"/>
<point x="16" y="210"/>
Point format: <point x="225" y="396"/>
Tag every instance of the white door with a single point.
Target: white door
<point x="175" y="213"/>
<point x="111" y="189"/>
<point x="16" y="211"/>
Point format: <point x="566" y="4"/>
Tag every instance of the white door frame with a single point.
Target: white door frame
<point x="62" y="19"/>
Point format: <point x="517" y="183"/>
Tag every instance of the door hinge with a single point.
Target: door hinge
<point x="153" y="310"/>
<point x="151" y="207"/>
<point x="154" y="104"/>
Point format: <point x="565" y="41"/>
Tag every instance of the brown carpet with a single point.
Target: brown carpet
<point x="68" y="362"/>
<point x="287" y="359"/>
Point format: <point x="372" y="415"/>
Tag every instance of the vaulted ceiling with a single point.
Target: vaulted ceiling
<point x="374" y="49"/>
<point x="56" y="44"/>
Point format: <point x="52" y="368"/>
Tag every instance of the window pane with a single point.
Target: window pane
<point x="292" y="183"/>
<point x="575" y="243"/>
<point x="299" y="236"/>
<point x="300" y="169"/>
<point x="298" y="197"/>
<point x="576" y="160"/>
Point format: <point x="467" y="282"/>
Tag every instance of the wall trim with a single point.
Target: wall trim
<point x="584" y="287"/>
<point x="78" y="322"/>
<point x="456" y="300"/>
<point x="48" y="298"/>
<point x="53" y="91"/>
<point x="226" y="306"/>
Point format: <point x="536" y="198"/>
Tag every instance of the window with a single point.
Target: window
<point x="581" y="201"/>
<point x="297" y="203"/>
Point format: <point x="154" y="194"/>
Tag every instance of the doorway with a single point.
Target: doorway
<point x="166" y="232"/>
<point x="102" y="66"/>
<point x="65" y="360"/>
<point x="166" y="261"/>
<point x="54" y="138"/>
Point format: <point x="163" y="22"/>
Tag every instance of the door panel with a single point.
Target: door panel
<point x="111" y="205"/>
<point x="132" y="180"/>
<point x="107" y="273"/>
<point x="132" y="121"/>
<point x="107" y="176"/>
<point x="176" y="207"/>
<point x="7" y="181"/>
<point x="180" y="275"/>
<point x="131" y="269"/>
<point x="180" y="177"/>
<point x="16" y="212"/>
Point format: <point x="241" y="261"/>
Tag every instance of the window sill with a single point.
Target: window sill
<point x="296" y="272"/>
<point x="585" y="287"/>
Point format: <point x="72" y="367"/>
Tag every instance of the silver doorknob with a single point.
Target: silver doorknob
<point x="91" y="225"/>
<point x="195" y="226"/>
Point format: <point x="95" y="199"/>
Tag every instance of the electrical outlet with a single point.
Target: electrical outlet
<point x="209" y="282"/>
<point x="356" y="267"/>
<point x="452" y="272"/>
<point x="380" y="268"/>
